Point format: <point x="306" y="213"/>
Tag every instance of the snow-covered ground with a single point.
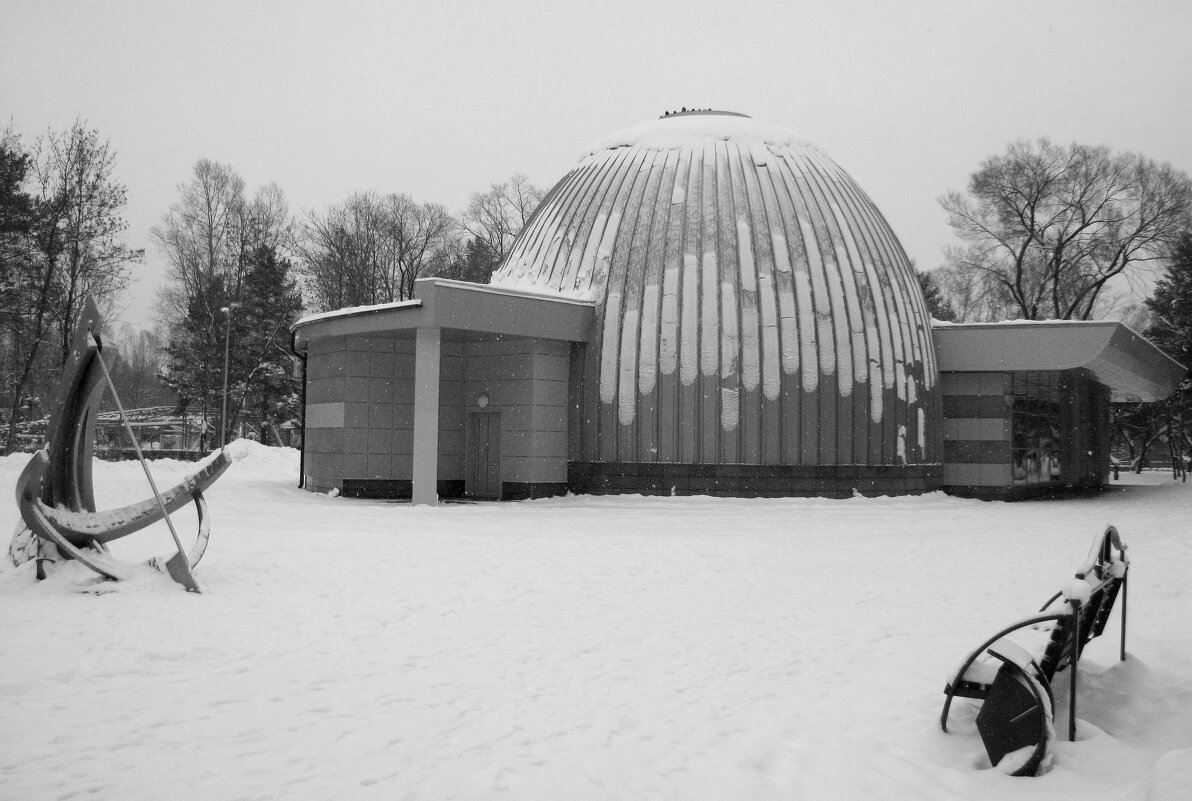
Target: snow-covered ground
<point x="579" y="648"/>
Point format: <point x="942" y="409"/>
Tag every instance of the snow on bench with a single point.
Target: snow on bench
<point x="1011" y="673"/>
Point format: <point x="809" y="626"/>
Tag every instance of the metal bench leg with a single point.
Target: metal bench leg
<point x="1016" y="715"/>
<point x="1073" y="666"/>
<point x="1125" y="586"/>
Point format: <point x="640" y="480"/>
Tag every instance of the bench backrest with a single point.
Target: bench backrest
<point x="1105" y="571"/>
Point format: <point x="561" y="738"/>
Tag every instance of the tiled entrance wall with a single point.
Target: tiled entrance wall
<point x="360" y="413"/>
<point x="976" y="429"/>
<point x="526" y="380"/>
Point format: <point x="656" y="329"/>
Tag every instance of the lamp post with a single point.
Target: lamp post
<point x="223" y="420"/>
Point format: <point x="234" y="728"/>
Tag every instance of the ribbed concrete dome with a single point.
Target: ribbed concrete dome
<point x="754" y="306"/>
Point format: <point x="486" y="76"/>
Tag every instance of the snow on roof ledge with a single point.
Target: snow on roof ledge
<point x="684" y="130"/>
<point x="354" y="310"/>
<point x="534" y="292"/>
<point x="1131" y="366"/>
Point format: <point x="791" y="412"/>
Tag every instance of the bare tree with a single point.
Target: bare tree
<point x="197" y="237"/>
<point x="74" y="173"/>
<point x="972" y="293"/>
<point x="213" y="238"/>
<point x="370" y="249"/>
<point x="73" y="247"/>
<point x="140" y="358"/>
<point x="1045" y="228"/>
<point x="497" y="216"/>
<point x="417" y="242"/>
<point x="210" y="234"/>
<point x="339" y="253"/>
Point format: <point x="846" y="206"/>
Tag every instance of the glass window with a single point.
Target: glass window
<point x="1035" y="428"/>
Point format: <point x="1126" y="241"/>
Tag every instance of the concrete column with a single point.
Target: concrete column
<point x="426" y="415"/>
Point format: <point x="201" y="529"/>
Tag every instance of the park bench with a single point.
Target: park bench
<point x="1012" y="672"/>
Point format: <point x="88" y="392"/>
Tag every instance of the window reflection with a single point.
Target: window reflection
<point x="1035" y="428"/>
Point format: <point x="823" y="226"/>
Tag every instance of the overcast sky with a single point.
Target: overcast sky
<point x="440" y="98"/>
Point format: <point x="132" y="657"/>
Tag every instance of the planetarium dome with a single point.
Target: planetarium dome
<point x="753" y="308"/>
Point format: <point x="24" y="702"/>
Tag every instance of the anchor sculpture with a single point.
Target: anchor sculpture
<point x="55" y="491"/>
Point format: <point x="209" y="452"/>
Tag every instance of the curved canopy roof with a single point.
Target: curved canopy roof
<point x="1132" y="367"/>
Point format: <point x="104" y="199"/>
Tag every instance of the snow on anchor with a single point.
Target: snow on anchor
<point x="55" y="491"/>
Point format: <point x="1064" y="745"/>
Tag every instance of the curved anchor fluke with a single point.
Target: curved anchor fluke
<point x="83" y="536"/>
<point x="198" y="549"/>
<point x="55" y="493"/>
<point x="111" y="524"/>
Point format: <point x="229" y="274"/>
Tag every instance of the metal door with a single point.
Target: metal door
<point x="482" y="455"/>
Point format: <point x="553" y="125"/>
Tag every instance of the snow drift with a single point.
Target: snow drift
<point x="580" y="648"/>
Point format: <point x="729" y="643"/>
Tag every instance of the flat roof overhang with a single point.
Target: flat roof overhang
<point x="1132" y="367"/>
<point x="459" y="306"/>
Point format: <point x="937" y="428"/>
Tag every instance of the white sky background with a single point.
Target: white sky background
<point x="440" y="99"/>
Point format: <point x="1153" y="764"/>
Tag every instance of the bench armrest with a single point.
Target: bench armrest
<point x="950" y="690"/>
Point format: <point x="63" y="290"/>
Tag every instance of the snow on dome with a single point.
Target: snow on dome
<point x="686" y="129"/>
<point x="750" y="298"/>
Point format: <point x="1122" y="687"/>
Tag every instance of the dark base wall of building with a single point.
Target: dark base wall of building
<point x="734" y="480"/>
<point x="752" y="481"/>
<point x="403" y="489"/>
<point x="653" y="478"/>
<point x="1025" y="493"/>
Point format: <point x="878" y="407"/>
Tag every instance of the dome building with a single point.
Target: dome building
<point x="705" y="304"/>
<point x="753" y="309"/>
